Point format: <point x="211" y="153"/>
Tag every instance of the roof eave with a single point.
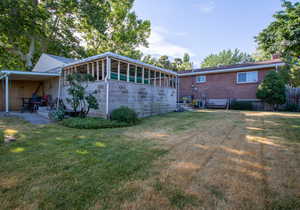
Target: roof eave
<point x="232" y="69"/>
<point x="10" y="72"/>
<point x="120" y="57"/>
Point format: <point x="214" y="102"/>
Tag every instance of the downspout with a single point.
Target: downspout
<point x="107" y="85"/>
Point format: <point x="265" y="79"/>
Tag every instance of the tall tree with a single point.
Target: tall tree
<point x="226" y="57"/>
<point x="177" y="64"/>
<point x="72" y="28"/>
<point x="149" y="59"/>
<point x="282" y="37"/>
<point x="164" y="62"/>
<point x="123" y="33"/>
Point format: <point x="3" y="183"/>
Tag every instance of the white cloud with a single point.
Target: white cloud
<point x="206" y="6"/>
<point x="159" y="45"/>
<point x="182" y="33"/>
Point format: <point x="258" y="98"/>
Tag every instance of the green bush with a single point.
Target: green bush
<point x="241" y="105"/>
<point x="1" y="136"/>
<point x="292" y="108"/>
<point x="57" y="115"/>
<point x="272" y="90"/>
<point x="125" y="115"/>
<point x="92" y="123"/>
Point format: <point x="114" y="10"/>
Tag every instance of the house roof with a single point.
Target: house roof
<point x="236" y="67"/>
<point x="119" y="57"/>
<point x="61" y="59"/>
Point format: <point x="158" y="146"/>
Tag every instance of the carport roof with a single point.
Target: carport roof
<point x="26" y="75"/>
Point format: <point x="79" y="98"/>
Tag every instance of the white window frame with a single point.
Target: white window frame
<point x="238" y="73"/>
<point x="202" y="81"/>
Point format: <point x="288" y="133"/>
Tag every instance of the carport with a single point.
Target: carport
<point x="18" y="84"/>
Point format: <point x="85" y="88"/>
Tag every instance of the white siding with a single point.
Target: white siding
<point x="46" y="63"/>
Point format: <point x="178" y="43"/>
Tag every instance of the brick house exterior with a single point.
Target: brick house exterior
<point x="222" y="82"/>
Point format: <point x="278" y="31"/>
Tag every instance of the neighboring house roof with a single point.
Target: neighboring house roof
<point x="232" y="68"/>
<point x="51" y="63"/>
<point x="119" y="57"/>
<point x="62" y="59"/>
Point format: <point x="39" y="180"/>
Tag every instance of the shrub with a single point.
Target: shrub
<point x="80" y="101"/>
<point x="292" y="108"/>
<point x="272" y="90"/>
<point x="57" y="115"/>
<point x="91" y="123"/>
<point x="1" y="136"/>
<point x="241" y="105"/>
<point x="124" y="114"/>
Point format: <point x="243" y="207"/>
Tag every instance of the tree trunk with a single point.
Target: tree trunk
<point x="29" y="55"/>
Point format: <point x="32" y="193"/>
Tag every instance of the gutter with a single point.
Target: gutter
<point x="29" y="73"/>
<point x="233" y="69"/>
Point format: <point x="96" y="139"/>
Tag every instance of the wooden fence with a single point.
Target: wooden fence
<point x="293" y="95"/>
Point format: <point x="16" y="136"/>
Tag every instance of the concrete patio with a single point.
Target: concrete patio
<point x="33" y="118"/>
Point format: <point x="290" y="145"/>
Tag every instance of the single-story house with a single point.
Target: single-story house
<point x="119" y="81"/>
<point x="236" y="82"/>
<point x="122" y="81"/>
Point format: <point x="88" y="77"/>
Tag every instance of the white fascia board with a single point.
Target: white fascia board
<point x="120" y="57"/>
<point x="233" y="69"/>
<point x="9" y="72"/>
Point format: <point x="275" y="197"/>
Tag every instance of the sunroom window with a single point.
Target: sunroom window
<point x="247" y="77"/>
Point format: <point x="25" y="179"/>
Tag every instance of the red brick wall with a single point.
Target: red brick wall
<point x="220" y="86"/>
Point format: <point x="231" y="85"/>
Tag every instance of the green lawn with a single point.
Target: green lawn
<point x="54" y="167"/>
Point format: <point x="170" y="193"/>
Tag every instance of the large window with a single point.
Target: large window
<point x="247" y="77"/>
<point x="201" y="79"/>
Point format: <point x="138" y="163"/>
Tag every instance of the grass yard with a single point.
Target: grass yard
<point x="201" y="160"/>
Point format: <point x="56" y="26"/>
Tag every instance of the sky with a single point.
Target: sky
<point x="202" y="27"/>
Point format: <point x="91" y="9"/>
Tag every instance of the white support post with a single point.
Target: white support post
<point x="93" y="69"/>
<point x="59" y="91"/>
<point x="135" y="74"/>
<point x="119" y="66"/>
<point x="166" y="78"/>
<point x="108" y="67"/>
<point x="173" y="81"/>
<point x="143" y="75"/>
<point x="128" y="72"/>
<point x="88" y="68"/>
<point x="154" y="79"/>
<point x="159" y="79"/>
<point x="6" y="94"/>
<point x="97" y="70"/>
<point x="103" y="69"/>
<point x="149" y="76"/>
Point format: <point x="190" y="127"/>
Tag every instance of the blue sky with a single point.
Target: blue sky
<point x="202" y="27"/>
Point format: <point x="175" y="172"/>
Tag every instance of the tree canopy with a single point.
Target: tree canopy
<point x="282" y="37"/>
<point x="164" y="61"/>
<point x="226" y="57"/>
<point x="71" y="28"/>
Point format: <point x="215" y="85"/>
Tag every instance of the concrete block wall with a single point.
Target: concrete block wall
<point x="98" y="89"/>
<point x="146" y="100"/>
